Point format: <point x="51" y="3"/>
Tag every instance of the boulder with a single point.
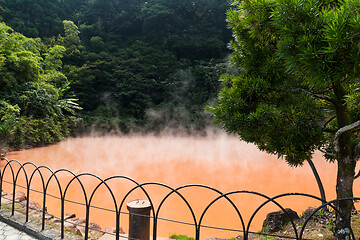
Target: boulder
<point x="71" y="225"/>
<point x="113" y="230"/>
<point x="32" y="205"/>
<point x="72" y="228"/>
<point x="75" y="221"/>
<point x="38" y="214"/>
<point x="69" y="216"/>
<point x="309" y="211"/>
<point x="275" y="221"/>
<point x="49" y="216"/>
<point x="94" y="230"/>
<point x="19" y="196"/>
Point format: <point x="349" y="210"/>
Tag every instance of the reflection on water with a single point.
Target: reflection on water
<point x="220" y="161"/>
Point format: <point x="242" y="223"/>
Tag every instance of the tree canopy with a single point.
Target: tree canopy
<point x="298" y="83"/>
<point x="124" y="60"/>
<point x="33" y="110"/>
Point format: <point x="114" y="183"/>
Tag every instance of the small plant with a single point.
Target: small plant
<point x="181" y="237"/>
<point x="268" y="238"/>
<point x="330" y="225"/>
<point x="321" y="213"/>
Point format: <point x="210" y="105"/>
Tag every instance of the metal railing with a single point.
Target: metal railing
<point x="15" y="169"/>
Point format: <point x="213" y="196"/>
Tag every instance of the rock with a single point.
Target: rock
<point x="113" y="230"/>
<point x="94" y="230"/>
<point x="75" y="221"/>
<point x="55" y="220"/>
<point x="38" y="214"/>
<point x="35" y="205"/>
<point x="275" y="221"/>
<point x="49" y="216"/>
<point x="80" y="221"/>
<point x="309" y="211"/>
<point x="72" y="228"/>
<point x="69" y="216"/>
<point x="32" y="205"/>
<point x="71" y="225"/>
<point x="19" y="196"/>
<point x="111" y="237"/>
<point x="5" y="200"/>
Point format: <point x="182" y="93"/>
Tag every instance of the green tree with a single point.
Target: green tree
<point x="298" y="89"/>
<point x="34" y="18"/>
<point x="32" y="91"/>
<point x="110" y="19"/>
<point x="192" y="29"/>
<point x="71" y="33"/>
<point x="8" y="123"/>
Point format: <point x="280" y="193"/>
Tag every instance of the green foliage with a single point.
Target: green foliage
<point x="97" y="44"/>
<point x="71" y="33"/>
<point x="134" y="79"/>
<point x="268" y="238"/>
<point x="298" y="84"/>
<point x="8" y="122"/>
<point x="181" y="237"/>
<point x="37" y="132"/>
<point x="330" y="225"/>
<point x="31" y="95"/>
<point x="255" y="109"/>
<point x="289" y="51"/>
<point x="40" y="18"/>
<point x="53" y="57"/>
<point x="124" y="55"/>
<point x="192" y="29"/>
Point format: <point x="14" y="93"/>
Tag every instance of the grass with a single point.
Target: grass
<point x="184" y="237"/>
<point x="268" y="238"/>
<point x="181" y="237"/>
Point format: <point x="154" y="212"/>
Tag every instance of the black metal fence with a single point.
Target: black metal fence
<point x="13" y="169"/>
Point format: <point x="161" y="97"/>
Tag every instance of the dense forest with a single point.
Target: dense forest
<point x="70" y="66"/>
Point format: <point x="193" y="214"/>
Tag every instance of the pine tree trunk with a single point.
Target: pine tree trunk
<point x="344" y="189"/>
<point x="346" y="167"/>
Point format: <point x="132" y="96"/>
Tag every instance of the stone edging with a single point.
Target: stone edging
<point x="34" y="223"/>
<point x="32" y="227"/>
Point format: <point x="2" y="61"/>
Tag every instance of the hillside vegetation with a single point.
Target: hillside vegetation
<point x="71" y="66"/>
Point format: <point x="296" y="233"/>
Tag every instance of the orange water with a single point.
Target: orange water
<point x="219" y="160"/>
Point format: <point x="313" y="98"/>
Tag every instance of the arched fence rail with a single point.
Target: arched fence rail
<point x="14" y="170"/>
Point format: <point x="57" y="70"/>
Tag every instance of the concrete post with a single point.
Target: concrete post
<point x="139" y="219"/>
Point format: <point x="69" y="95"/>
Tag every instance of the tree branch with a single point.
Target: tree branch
<point x="328" y="121"/>
<point x="328" y="130"/>
<point x="326" y="153"/>
<point x="342" y="131"/>
<point x="315" y="95"/>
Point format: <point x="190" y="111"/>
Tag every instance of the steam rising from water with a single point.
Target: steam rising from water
<point x="218" y="160"/>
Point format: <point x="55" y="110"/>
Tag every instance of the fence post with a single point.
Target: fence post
<point x="139" y="219"/>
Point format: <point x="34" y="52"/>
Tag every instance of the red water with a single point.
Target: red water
<point x="219" y="160"/>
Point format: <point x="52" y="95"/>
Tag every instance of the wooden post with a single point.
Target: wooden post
<point x="139" y="219"/>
